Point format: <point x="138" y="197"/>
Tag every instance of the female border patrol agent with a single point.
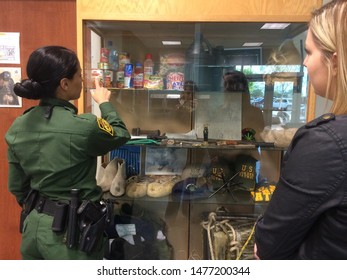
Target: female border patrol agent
<point x="52" y="150"/>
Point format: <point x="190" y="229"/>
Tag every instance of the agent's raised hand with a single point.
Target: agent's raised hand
<point x="100" y="94"/>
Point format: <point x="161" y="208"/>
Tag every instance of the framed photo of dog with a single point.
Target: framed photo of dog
<point x="9" y="76"/>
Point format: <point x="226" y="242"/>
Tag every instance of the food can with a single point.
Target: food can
<point x="120" y="79"/>
<point x="96" y="73"/>
<point x="104" y="54"/>
<point x="128" y="72"/>
<point x="108" y="78"/>
<point x="103" y="65"/>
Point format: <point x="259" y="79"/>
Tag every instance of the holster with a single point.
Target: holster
<point x="28" y="206"/>
<point x="92" y="234"/>
<point x="93" y="220"/>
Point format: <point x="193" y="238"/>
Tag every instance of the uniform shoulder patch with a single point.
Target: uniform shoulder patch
<point x="105" y="126"/>
<point x="322" y="119"/>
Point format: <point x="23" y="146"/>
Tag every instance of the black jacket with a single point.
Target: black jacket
<point x="307" y="215"/>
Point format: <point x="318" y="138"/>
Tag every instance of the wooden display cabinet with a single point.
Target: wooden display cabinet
<point x="130" y="25"/>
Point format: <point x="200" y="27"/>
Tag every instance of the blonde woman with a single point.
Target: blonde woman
<point x="307" y="215"/>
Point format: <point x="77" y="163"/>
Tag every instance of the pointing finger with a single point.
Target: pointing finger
<point x="97" y="82"/>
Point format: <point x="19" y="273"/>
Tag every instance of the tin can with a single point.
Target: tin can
<point x="108" y="78"/>
<point x="120" y="79"/>
<point x="128" y="72"/>
<point x="96" y="73"/>
<point x="104" y="54"/>
<point x="103" y="65"/>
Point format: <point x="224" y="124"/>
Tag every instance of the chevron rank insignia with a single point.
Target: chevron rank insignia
<point x="105" y="126"/>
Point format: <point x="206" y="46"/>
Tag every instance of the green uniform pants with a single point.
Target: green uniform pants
<point x="40" y="242"/>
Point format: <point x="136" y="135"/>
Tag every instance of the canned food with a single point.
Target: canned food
<point x="120" y="79"/>
<point x="104" y="54"/>
<point x="104" y="65"/>
<point x="108" y="78"/>
<point x="96" y="73"/>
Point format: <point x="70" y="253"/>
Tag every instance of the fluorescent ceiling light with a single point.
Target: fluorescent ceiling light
<point x="274" y="25"/>
<point x="171" y="43"/>
<point x="252" y="44"/>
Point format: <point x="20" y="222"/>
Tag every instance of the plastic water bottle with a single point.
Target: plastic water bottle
<point x="113" y="56"/>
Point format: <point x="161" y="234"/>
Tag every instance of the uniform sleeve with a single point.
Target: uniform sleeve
<point x="109" y="132"/>
<point x="18" y="182"/>
<point x="309" y="184"/>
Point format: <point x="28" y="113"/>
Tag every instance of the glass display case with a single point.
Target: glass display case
<point x="199" y="171"/>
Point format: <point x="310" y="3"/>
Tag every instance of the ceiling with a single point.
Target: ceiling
<point x="228" y="35"/>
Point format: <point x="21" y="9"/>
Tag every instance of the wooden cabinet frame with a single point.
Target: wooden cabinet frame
<point x="194" y="11"/>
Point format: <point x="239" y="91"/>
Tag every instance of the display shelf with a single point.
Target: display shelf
<point x="231" y="198"/>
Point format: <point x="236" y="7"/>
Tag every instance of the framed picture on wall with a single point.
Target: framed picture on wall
<point x="9" y="48"/>
<point x="8" y="77"/>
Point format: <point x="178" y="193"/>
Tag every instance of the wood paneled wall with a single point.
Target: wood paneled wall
<point x="39" y="23"/>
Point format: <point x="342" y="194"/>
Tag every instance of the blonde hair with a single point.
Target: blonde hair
<point x="287" y="53"/>
<point x="329" y="29"/>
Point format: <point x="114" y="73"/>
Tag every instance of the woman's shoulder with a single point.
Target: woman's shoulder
<point x="325" y="118"/>
<point x="330" y="123"/>
<point x="327" y="129"/>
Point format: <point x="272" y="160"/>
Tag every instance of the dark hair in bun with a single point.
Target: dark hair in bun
<point x="45" y="69"/>
<point x="28" y="89"/>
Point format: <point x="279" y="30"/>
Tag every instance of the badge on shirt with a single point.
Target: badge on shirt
<point x="105" y="126"/>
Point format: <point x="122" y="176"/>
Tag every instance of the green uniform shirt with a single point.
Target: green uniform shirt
<point x="52" y="149"/>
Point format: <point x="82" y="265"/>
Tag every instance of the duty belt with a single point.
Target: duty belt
<point x="84" y="222"/>
<point x="47" y="206"/>
<point x="57" y="209"/>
